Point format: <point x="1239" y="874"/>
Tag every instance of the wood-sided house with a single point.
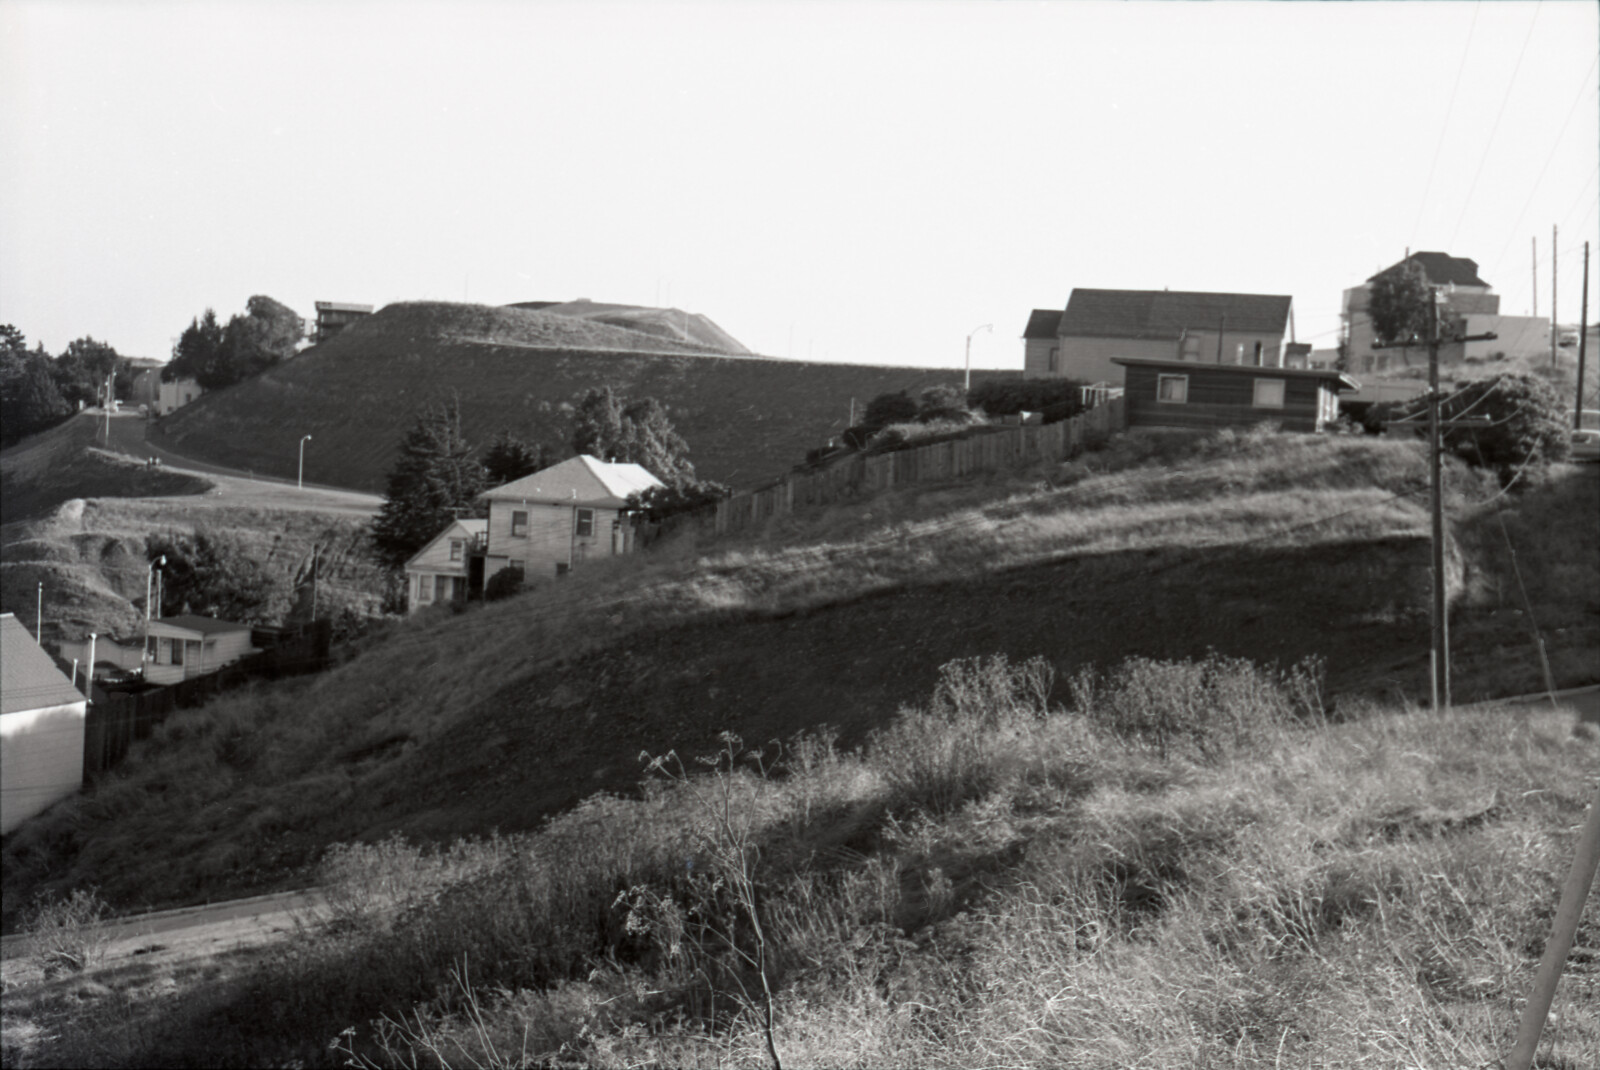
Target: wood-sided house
<point x="183" y="647"/>
<point x="42" y="720"/>
<point x="448" y="568"/>
<point x="1173" y="394"/>
<point x="557" y="518"/>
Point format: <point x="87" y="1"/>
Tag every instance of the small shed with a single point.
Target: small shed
<point x="181" y="648"/>
<point x="449" y="567"/>
<point x="42" y="719"/>
<point x="1179" y="394"/>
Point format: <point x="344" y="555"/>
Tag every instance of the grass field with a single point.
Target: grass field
<point x="745" y="418"/>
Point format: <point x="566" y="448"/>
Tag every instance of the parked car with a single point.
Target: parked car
<point x="1586" y="445"/>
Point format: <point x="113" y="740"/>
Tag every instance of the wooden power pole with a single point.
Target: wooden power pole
<point x="1555" y="329"/>
<point x="1583" y="343"/>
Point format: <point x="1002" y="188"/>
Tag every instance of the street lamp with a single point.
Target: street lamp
<point x="144" y="655"/>
<point x="967" y="383"/>
<point x="300" y="480"/>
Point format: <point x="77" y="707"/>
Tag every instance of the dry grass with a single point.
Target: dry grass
<point x="1065" y="892"/>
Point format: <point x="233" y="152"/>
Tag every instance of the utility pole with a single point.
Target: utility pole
<point x="1555" y="330"/>
<point x="1583" y="343"/>
<point x="1439" y="670"/>
<point x="1222" y="328"/>
<point x="314" y="549"/>
<point x="38" y="617"/>
<point x="966" y="385"/>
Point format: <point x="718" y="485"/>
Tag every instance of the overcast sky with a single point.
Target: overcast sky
<point x="861" y="182"/>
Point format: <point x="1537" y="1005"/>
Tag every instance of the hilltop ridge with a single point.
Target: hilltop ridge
<point x="746" y="418"/>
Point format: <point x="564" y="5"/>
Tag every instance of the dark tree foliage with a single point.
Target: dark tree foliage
<point x="944" y="401"/>
<point x="218" y="357"/>
<point x="885" y="409"/>
<point x="433" y="482"/>
<point x="196" y="354"/>
<point x="634" y="432"/>
<point x="659" y="503"/>
<point x="1527" y="422"/>
<point x="1399" y="304"/>
<point x="509" y="457"/>
<point x="503" y="584"/>
<point x="1056" y="398"/>
<point x="29" y="398"/>
<point x="81" y="370"/>
<point x="213" y="575"/>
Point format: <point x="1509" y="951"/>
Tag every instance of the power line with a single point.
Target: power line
<point x="1445" y="125"/>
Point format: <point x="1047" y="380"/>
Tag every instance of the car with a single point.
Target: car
<point x="1586" y="445"/>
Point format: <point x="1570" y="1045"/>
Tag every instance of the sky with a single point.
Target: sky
<point x="860" y="182"/>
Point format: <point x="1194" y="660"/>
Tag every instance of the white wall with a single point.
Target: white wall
<point x="41" y="760"/>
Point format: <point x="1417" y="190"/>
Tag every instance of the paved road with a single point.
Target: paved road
<point x="128" y="437"/>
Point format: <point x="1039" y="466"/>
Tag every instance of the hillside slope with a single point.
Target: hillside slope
<point x="745" y="418"/>
<point x="672" y="323"/>
<point x="1277" y="548"/>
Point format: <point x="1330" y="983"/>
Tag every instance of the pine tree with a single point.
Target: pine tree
<point x="634" y="432"/>
<point x="433" y="482"/>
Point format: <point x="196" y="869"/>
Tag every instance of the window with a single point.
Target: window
<point x="441" y="588"/>
<point x="424" y="589"/>
<point x="175" y="646"/>
<point x="1268" y="394"/>
<point x="519" y="523"/>
<point x="585" y="521"/>
<point x="1173" y="389"/>
<point x="1055" y="358"/>
<point x="1191" y="348"/>
<point x="1366" y="363"/>
<point x="562" y="568"/>
<point x="1258" y="355"/>
<point x="456" y="547"/>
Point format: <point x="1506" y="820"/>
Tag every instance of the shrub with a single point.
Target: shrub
<point x="503" y="584"/>
<point x="67" y="934"/>
<point x="659" y="503"/>
<point x="1058" y="399"/>
<point x="886" y="409"/>
<point x="1527" y="422"/>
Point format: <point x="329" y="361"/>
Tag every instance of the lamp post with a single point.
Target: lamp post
<point x="967" y="381"/>
<point x="300" y="478"/>
<point x="149" y="576"/>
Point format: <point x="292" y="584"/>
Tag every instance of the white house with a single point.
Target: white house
<point x="180" y="648"/>
<point x="449" y="567"/>
<point x="42" y="718"/>
<point x="176" y="394"/>
<point x="1097" y="327"/>
<point x="554" y="520"/>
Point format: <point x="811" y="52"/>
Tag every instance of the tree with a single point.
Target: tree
<point x="509" y="457"/>
<point x="1527" y="422"/>
<point x="634" y="432"/>
<point x="195" y="356"/>
<point x="82" y="368"/>
<point x="433" y="482"/>
<point x="29" y="398"/>
<point x="885" y="409"/>
<point x="658" y="503"/>
<point x="215" y="576"/>
<point x="1399" y="305"/>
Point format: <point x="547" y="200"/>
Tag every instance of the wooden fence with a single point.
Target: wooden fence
<point x="117" y="718"/>
<point x="989" y="450"/>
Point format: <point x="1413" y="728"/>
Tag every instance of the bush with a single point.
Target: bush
<point x="886" y="409"/>
<point x="503" y="584"/>
<point x="67" y="934"/>
<point x="1058" y="399"/>
<point x="1527" y="422"/>
<point x="659" y="503"/>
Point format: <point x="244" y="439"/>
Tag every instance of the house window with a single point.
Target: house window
<point x="562" y="568"/>
<point x="1055" y="358"/>
<point x="1366" y="363"/>
<point x="1258" y="355"/>
<point x="456" y="548"/>
<point x="175" y="651"/>
<point x="441" y="588"/>
<point x="424" y="589"/>
<point x="1191" y="348"/>
<point x="519" y="523"/>
<point x="585" y="521"/>
<point x="1269" y="394"/>
<point x="1173" y="389"/>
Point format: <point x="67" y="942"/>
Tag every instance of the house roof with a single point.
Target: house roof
<point x="1043" y="323"/>
<point x="461" y="527"/>
<point x="583" y="480"/>
<point x="1339" y="380"/>
<point x="29" y="679"/>
<point x="341" y="306"/>
<point x="189" y="622"/>
<point x="1441" y="269"/>
<point x="1168" y="313"/>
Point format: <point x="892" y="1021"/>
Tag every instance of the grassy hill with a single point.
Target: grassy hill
<point x="745" y="418"/>
<point x="669" y="323"/>
<point x="1037" y="851"/>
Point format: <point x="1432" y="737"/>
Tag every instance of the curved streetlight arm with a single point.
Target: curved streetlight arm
<point x="967" y="380"/>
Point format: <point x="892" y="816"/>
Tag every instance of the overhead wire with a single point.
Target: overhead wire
<point x="1444" y="126"/>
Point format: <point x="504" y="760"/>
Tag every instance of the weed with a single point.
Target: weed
<point x="67" y="934"/>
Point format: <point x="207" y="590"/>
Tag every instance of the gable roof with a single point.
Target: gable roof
<point x="463" y="527"/>
<point x="1440" y="268"/>
<point x="1168" y="313"/>
<point x="29" y="679"/>
<point x="191" y="622"/>
<point x="582" y="480"/>
<point x="1043" y="323"/>
<point x="1336" y="379"/>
